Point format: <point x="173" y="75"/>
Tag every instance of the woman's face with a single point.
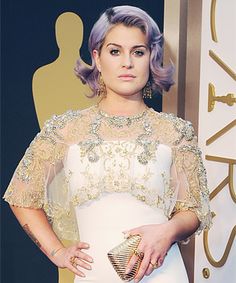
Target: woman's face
<point x="124" y="61"/>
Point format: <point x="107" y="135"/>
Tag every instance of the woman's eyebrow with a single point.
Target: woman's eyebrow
<point x="133" y="47"/>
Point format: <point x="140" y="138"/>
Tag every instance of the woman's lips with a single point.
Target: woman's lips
<point x="126" y="77"/>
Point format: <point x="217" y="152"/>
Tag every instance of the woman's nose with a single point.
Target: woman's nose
<point x="127" y="62"/>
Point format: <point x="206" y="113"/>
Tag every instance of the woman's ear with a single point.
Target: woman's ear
<point x="96" y="58"/>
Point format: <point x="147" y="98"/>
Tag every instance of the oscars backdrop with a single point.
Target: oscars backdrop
<point x="216" y="250"/>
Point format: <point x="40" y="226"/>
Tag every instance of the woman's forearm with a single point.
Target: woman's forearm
<point x="35" y="224"/>
<point x="182" y="225"/>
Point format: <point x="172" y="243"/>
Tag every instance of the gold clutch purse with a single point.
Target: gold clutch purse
<point x="120" y="256"/>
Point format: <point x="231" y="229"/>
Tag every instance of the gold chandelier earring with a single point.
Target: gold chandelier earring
<point x="147" y="90"/>
<point x="101" y="91"/>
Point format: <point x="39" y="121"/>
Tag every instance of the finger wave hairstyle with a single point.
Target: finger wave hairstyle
<point x="161" y="78"/>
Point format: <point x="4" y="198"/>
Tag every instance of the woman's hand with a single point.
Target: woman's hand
<point x="155" y="243"/>
<point x="73" y="258"/>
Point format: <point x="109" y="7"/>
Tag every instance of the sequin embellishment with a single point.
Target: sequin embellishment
<point x="149" y="147"/>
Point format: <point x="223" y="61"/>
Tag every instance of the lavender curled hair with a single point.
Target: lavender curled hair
<point x="161" y="77"/>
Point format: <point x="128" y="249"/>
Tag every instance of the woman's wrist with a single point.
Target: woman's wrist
<point x="57" y="256"/>
<point x="55" y="251"/>
<point x="171" y="231"/>
<point x="182" y="225"/>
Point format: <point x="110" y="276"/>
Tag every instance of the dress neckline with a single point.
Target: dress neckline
<point x="120" y="121"/>
<point x="107" y="115"/>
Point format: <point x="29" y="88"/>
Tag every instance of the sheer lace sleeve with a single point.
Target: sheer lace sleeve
<point x="39" y="181"/>
<point x="27" y="187"/>
<point x="193" y="192"/>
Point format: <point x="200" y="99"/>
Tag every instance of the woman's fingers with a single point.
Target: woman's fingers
<point x="138" y="255"/>
<point x="75" y="259"/>
<point x="160" y="262"/>
<point x="131" y="264"/>
<point x="148" y="263"/>
<point x="84" y="265"/>
<point x="154" y="244"/>
<point x="143" y="268"/>
<point x="82" y="245"/>
<point x="153" y="264"/>
<point x="76" y="251"/>
<point x="135" y="231"/>
<point x="149" y="269"/>
<point x="83" y="256"/>
<point x="78" y="262"/>
<point x="75" y="270"/>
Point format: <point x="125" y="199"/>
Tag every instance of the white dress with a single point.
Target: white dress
<point x="101" y="222"/>
<point x="97" y="175"/>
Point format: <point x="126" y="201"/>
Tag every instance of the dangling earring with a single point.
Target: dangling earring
<point x="147" y="90"/>
<point x="101" y="91"/>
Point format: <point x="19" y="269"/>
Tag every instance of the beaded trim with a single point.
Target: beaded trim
<point x="121" y="121"/>
<point x="183" y="127"/>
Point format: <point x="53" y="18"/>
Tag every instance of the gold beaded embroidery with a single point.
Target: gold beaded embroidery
<point x="40" y="180"/>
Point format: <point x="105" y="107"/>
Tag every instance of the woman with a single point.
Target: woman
<point x="115" y="167"/>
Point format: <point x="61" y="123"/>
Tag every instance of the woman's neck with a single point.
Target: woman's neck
<point x="122" y="106"/>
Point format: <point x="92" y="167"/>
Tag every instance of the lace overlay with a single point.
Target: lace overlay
<point x="81" y="155"/>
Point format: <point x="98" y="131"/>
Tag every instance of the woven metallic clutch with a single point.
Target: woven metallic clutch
<point x="120" y="256"/>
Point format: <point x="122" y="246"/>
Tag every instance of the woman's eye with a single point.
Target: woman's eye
<point x="139" y="53"/>
<point x="114" y="52"/>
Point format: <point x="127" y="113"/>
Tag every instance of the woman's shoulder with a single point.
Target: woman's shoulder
<point x="60" y="121"/>
<point x="174" y="127"/>
<point x="60" y="125"/>
<point x="67" y="116"/>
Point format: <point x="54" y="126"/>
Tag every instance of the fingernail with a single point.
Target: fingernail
<point x="126" y="235"/>
<point x="87" y="245"/>
<point x="81" y="274"/>
<point x="127" y="271"/>
<point x="90" y="260"/>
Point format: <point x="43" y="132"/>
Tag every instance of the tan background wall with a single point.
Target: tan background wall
<point x="200" y="39"/>
<point x="182" y="34"/>
<point x="216" y="250"/>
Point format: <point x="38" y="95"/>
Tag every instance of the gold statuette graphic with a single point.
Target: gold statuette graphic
<point x="56" y="88"/>
<point x="229" y="99"/>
